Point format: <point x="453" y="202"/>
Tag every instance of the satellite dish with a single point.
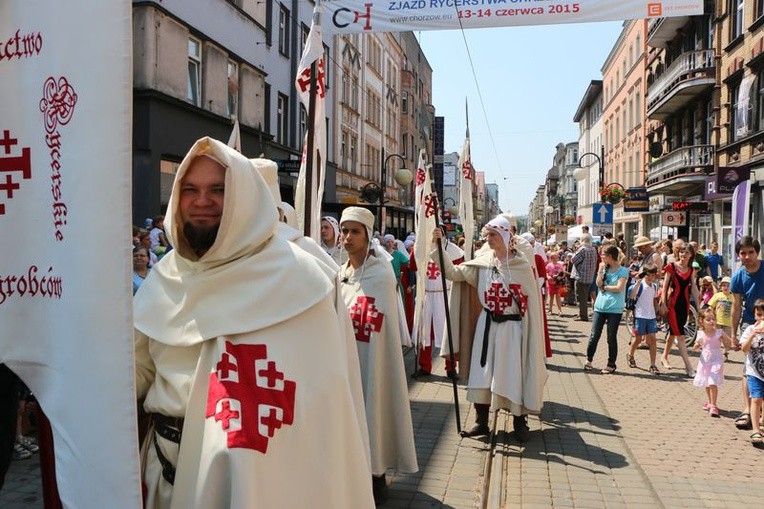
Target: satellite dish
<point x="656" y="149"/>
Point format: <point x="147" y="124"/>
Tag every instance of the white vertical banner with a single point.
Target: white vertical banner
<point x="419" y="186"/>
<point x="466" y="211"/>
<point x="65" y="259"/>
<point x="425" y="224"/>
<point x="313" y="53"/>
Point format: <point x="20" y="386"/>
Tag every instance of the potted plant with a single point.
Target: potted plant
<point x="612" y="193"/>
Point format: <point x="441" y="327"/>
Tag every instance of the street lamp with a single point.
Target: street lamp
<point x="383" y="187"/>
<point x="581" y="173"/>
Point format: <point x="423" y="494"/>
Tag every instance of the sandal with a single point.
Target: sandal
<point x="631" y="361"/>
<point x="588" y="367"/>
<point x="654" y="370"/>
<point x="713" y="411"/>
<point x="665" y="364"/>
<point x="743" y="421"/>
<point x="757" y="439"/>
<point x="608" y="370"/>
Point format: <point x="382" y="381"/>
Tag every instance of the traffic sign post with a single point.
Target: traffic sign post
<point x="602" y="213"/>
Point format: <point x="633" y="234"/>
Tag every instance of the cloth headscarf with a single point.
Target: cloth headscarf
<point x="335" y="227"/>
<point x="528" y="236"/>
<point x="290" y="214"/>
<point x="187" y="299"/>
<point x="360" y="215"/>
<point x="501" y="226"/>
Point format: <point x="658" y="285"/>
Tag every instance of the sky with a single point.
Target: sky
<point x="532" y="80"/>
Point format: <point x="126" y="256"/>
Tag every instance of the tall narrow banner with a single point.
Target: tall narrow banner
<point x="346" y="16"/>
<point x="419" y="181"/>
<point x="425" y="224"/>
<point x="313" y="53"/>
<point x="466" y="211"/>
<point x="65" y="218"/>
<point x="741" y="203"/>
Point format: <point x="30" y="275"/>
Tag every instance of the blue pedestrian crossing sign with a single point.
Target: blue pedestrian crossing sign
<point x="602" y="213"/>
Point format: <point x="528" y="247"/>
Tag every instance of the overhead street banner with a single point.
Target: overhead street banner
<point x="346" y="16"/>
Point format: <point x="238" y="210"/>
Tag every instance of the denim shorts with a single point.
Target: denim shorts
<point x="645" y="326"/>
<point x="755" y="387"/>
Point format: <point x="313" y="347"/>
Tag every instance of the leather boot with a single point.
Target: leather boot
<point x="481" y="422"/>
<point x="379" y="489"/>
<point x="520" y="425"/>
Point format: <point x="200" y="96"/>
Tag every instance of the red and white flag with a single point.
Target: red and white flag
<point x="466" y="183"/>
<point x="419" y="180"/>
<point x="65" y="217"/>
<point x="313" y="53"/>
<point x="425" y="224"/>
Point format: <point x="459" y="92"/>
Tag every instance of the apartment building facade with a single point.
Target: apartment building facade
<point x="623" y="78"/>
<point x="589" y="119"/>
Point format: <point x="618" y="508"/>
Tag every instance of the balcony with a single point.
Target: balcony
<point x="685" y="78"/>
<point x="662" y="30"/>
<point x="680" y="171"/>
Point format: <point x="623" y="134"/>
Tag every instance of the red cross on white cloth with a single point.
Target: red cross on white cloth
<point x="433" y="271"/>
<point x="366" y="318"/>
<point x="497" y="298"/>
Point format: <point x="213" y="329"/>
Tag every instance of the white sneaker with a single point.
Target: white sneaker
<point x="20" y="452"/>
<point x="30" y="444"/>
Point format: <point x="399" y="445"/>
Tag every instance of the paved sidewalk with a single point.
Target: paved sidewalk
<point x="629" y="439"/>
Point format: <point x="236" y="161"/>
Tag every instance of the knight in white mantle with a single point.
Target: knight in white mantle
<point x="369" y="291"/>
<point x="241" y="356"/>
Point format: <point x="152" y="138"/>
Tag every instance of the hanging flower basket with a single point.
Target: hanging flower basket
<point x="612" y="193"/>
<point x="568" y="220"/>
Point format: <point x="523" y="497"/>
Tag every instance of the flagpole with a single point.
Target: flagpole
<point x="448" y="323"/>
<point x="309" y="152"/>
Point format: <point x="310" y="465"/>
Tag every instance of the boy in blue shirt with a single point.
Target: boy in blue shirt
<point x="715" y="263"/>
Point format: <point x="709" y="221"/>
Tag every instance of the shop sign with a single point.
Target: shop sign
<point x="637" y="200"/>
<point x="727" y="178"/>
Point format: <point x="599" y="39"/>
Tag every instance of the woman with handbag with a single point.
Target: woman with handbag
<point x="677" y="291"/>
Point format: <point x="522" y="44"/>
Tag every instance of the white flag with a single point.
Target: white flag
<point x="313" y="53"/>
<point x="425" y="224"/>
<point x="234" y="141"/>
<point x="466" y="213"/>
<point x="65" y="217"/>
<point x="419" y="185"/>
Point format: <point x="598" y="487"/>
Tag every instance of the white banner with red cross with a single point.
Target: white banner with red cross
<point x="346" y="16"/>
<point x="65" y="259"/>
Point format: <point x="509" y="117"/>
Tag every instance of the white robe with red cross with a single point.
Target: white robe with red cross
<point x="434" y="308"/>
<point x="372" y="299"/>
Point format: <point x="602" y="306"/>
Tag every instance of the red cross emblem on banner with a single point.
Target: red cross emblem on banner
<point x="10" y="164"/>
<point x="303" y="81"/>
<point x="419" y="176"/>
<point x="433" y="271"/>
<point x="497" y="298"/>
<point x="249" y="397"/>
<point x="366" y="318"/>
<point x="467" y="169"/>
<point x="429" y="205"/>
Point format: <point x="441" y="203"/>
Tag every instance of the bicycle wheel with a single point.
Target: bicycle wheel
<point x="691" y="327"/>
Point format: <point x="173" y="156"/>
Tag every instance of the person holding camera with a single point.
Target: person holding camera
<point x="644" y="294"/>
<point x="608" y="307"/>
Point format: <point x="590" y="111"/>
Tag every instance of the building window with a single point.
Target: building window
<point x="405" y="100"/>
<point x="759" y="125"/>
<point x="736" y="18"/>
<point x="404" y="144"/>
<point x="354" y="93"/>
<point x="353" y="153"/>
<point x="233" y="88"/>
<point x="303" y="122"/>
<point x="759" y="9"/>
<point x="284" y="31"/>
<point x="282" y="115"/>
<point x="194" y="92"/>
<point x="345" y="92"/>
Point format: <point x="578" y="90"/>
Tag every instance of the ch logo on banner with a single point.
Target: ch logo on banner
<point x="13" y="163"/>
<point x="248" y="397"/>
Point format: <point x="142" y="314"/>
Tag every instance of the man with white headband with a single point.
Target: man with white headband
<point x="368" y="288"/>
<point x="506" y="352"/>
<point x="231" y="355"/>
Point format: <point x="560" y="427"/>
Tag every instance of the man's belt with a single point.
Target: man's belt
<point x="169" y="428"/>
<point x="493" y="317"/>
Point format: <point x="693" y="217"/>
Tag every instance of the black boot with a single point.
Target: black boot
<point x="379" y="488"/>
<point x="481" y="422"/>
<point x="520" y="425"/>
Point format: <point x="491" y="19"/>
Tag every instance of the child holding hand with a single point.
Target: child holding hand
<point x="752" y="343"/>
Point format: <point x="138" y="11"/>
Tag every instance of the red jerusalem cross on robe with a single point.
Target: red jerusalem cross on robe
<point x="433" y="271"/>
<point x="249" y="397"/>
<point x="366" y="318"/>
<point x="497" y="298"/>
